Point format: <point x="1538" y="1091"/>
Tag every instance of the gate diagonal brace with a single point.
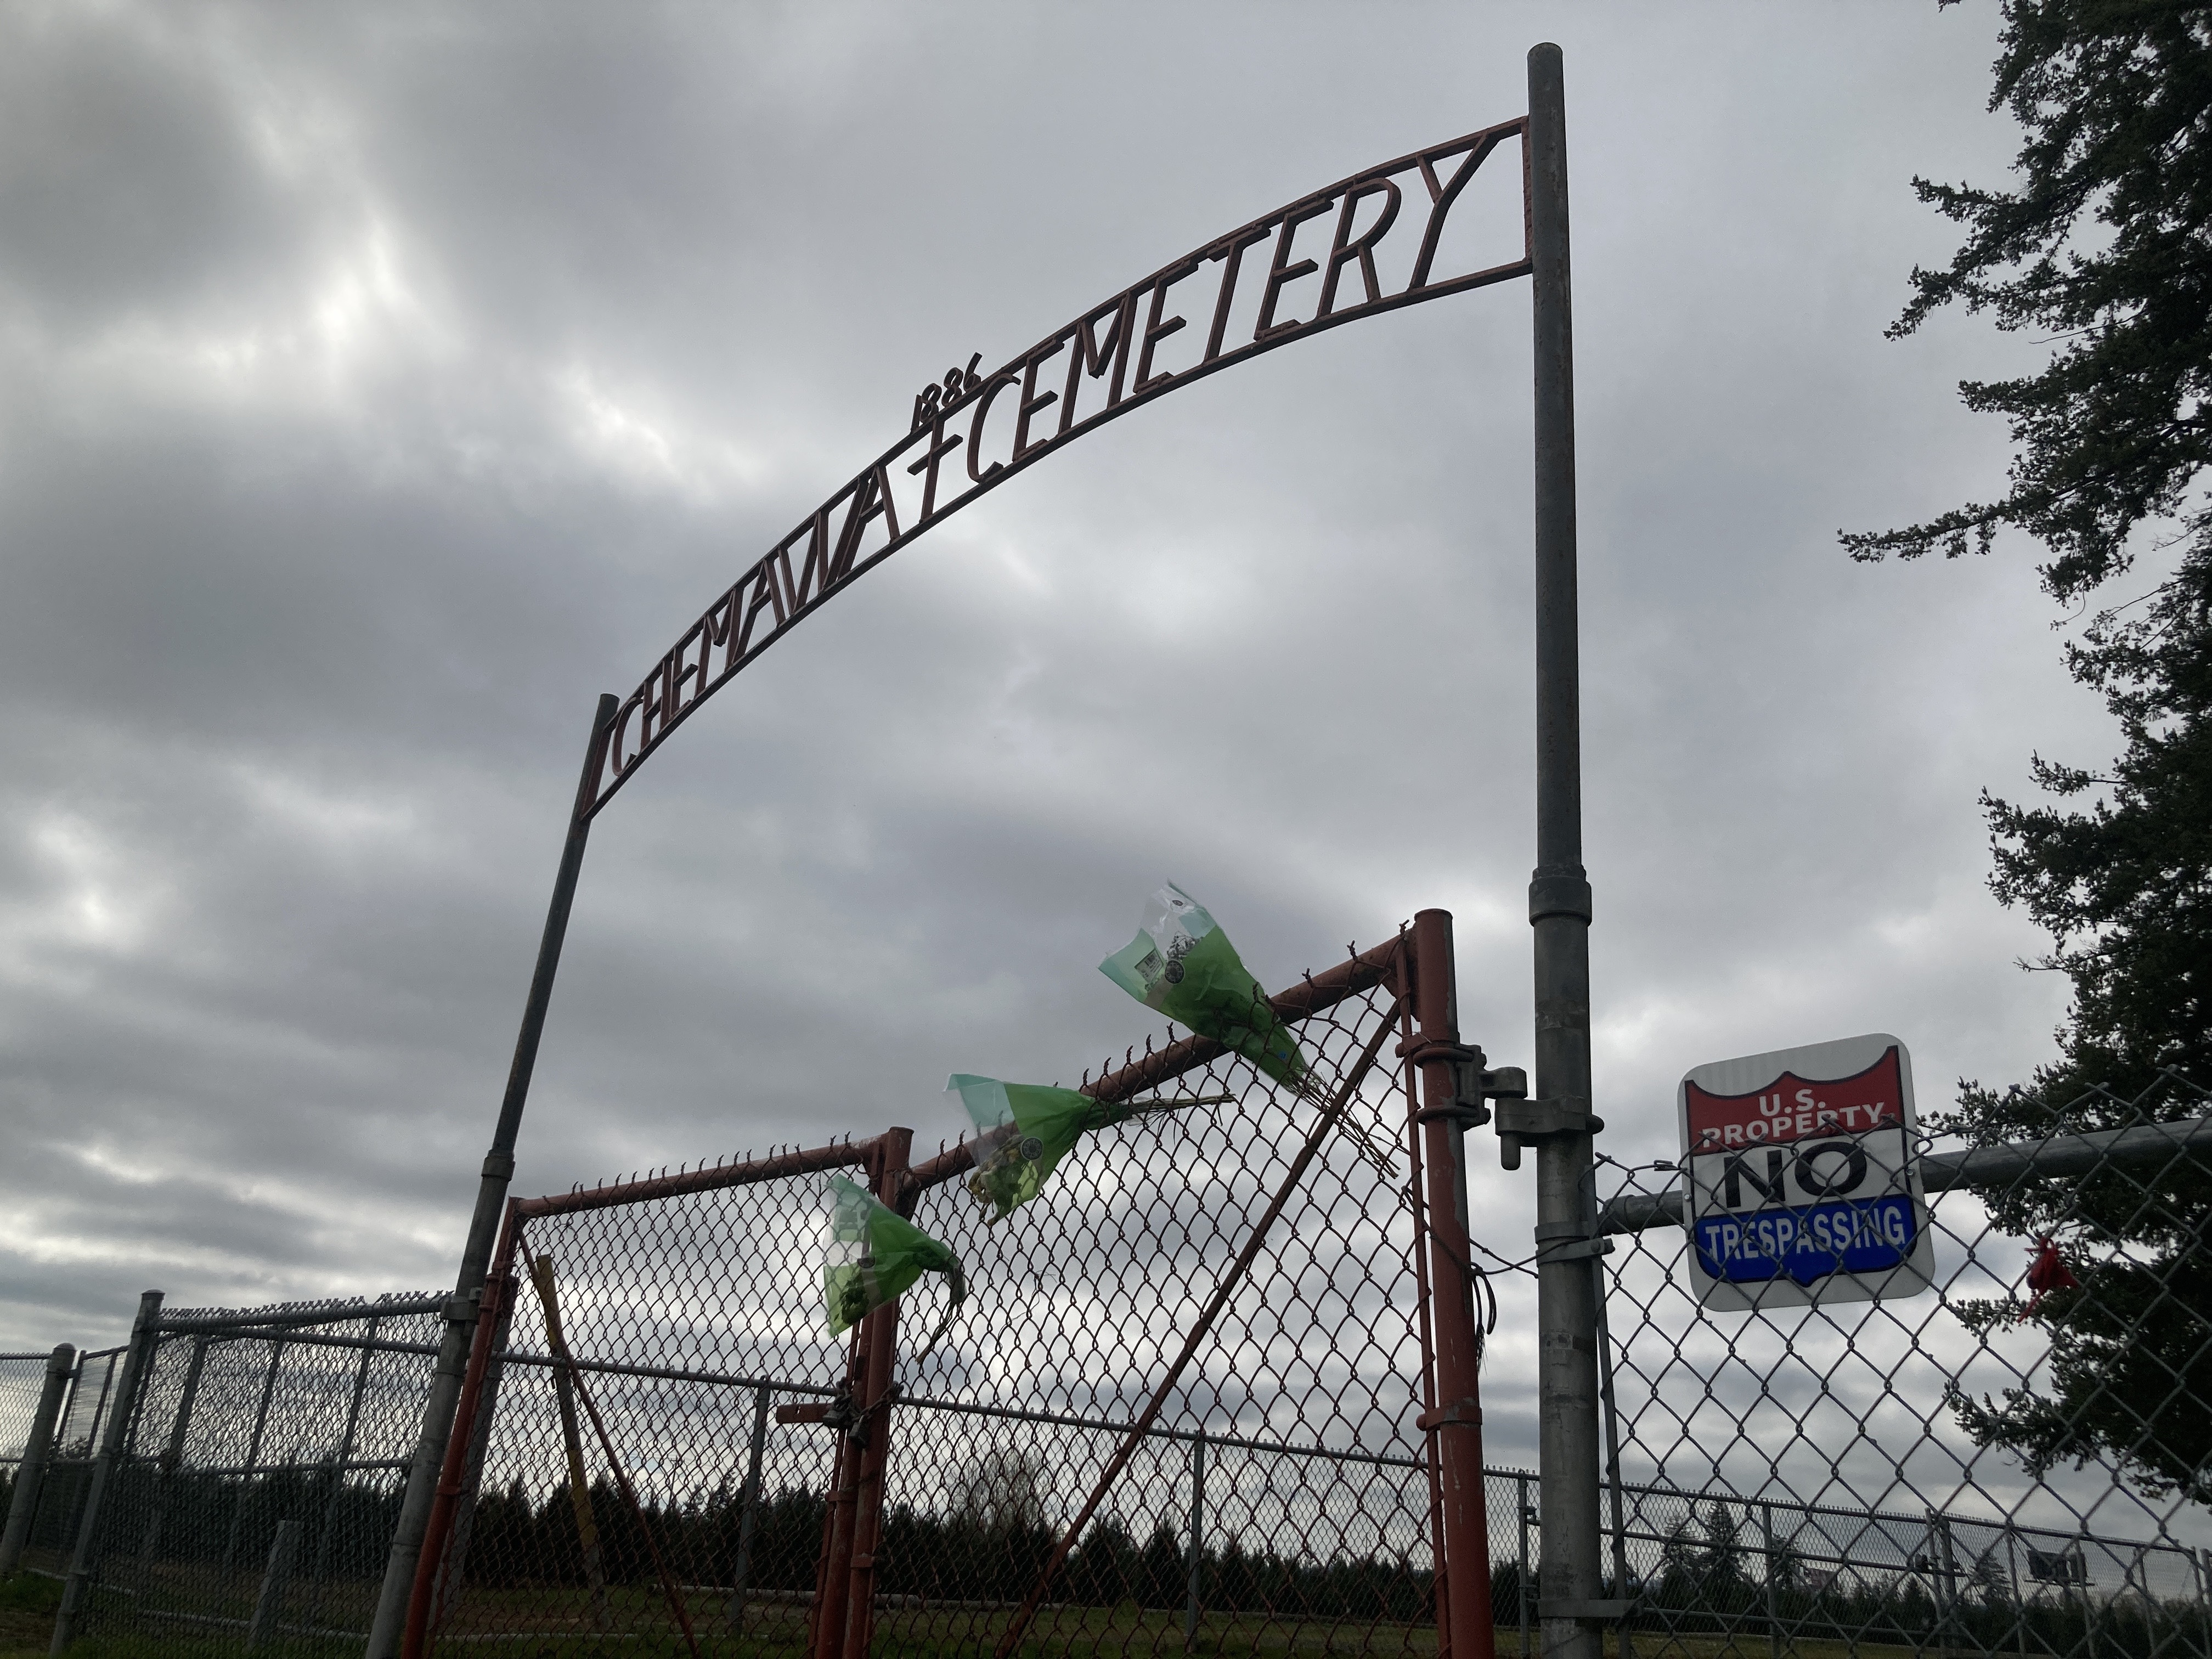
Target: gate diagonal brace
<point x="1521" y="1121"/>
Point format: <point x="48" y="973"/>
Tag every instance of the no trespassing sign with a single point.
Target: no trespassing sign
<point x="1803" y="1183"/>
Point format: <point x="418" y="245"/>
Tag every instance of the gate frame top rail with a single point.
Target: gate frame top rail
<point x="1313" y="994"/>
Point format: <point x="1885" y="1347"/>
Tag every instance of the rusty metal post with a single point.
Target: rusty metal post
<point x="1457" y="1419"/>
<point x="832" y="1571"/>
<point x="114" y="1444"/>
<point x="31" y="1472"/>
<point x="430" y="1550"/>
<point x="894" y="1149"/>
<point x="1573" y="1571"/>
<point x="387" y="1629"/>
<point x="453" y="1557"/>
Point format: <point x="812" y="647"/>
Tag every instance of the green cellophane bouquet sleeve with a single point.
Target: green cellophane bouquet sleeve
<point x="875" y="1253"/>
<point x="1022" y="1132"/>
<point x="1183" y="965"/>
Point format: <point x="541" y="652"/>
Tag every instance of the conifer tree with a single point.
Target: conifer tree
<point x="2104" y="244"/>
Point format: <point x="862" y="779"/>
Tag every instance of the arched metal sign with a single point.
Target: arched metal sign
<point x="975" y="431"/>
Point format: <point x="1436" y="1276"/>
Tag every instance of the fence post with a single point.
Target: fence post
<point x="888" y="1168"/>
<point x="1773" y="1605"/>
<point x="1197" y="1552"/>
<point x="1521" y="1482"/>
<point x="122" y="1400"/>
<point x="269" y="1605"/>
<point x="2019" y="1601"/>
<point x="320" y="1570"/>
<point x="1932" y="1524"/>
<point x="396" y="1596"/>
<point x="2204" y="1602"/>
<point x="2089" y="1606"/>
<point x="1456" y="1422"/>
<point x="252" y="1461"/>
<point x="172" y="1455"/>
<point x="31" y="1472"/>
<point x="748" y="1519"/>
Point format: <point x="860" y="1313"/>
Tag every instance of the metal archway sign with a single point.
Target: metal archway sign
<point x="973" y="433"/>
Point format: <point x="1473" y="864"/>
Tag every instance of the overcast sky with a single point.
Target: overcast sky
<point x="379" y="384"/>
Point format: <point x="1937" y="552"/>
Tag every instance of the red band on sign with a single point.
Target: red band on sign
<point x="1792" y="1108"/>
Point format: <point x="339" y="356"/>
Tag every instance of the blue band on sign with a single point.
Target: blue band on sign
<point x="1810" y="1241"/>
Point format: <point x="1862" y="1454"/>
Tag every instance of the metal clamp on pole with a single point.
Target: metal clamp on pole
<point x="1466" y="1110"/>
<point x="1564" y="1241"/>
<point x="1467" y="1413"/>
<point x="1523" y="1122"/>
<point x="1598" y="1611"/>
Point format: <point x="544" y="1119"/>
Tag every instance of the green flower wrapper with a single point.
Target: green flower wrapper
<point x="1181" y="964"/>
<point x="885" y="1254"/>
<point x="1022" y="1132"/>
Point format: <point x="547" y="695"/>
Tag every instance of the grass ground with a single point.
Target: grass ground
<point x="27" y="1615"/>
<point x="523" y="1625"/>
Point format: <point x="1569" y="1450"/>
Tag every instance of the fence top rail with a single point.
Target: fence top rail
<point x="838" y="1155"/>
<point x="1977" y="1166"/>
<point x="42" y="1354"/>
<point x="286" y="1315"/>
<point x="1315" y="994"/>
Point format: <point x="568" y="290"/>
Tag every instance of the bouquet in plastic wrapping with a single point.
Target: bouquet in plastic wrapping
<point x="875" y="1253"/>
<point x="1183" y="965"/>
<point x="1022" y="1131"/>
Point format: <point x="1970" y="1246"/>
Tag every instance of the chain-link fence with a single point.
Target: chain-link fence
<point x="52" y="1407"/>
<point x="1201" y="1396"/>
<point x="2011" y="1458"/>
<point x="1191" y="1397"/>
<point x="230" y="1480"/>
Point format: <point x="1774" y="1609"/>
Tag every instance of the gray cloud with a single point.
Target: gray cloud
<point x="380" y="387"/>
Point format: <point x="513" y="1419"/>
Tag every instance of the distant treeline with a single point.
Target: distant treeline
<point x="514" y="1542"/>
<point x="1714" y="1579"/>
<point x="1708" y="1579"/>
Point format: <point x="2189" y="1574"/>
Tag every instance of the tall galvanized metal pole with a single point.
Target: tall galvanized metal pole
<point x="1560" y="911"/>
<point x="390" y="1624"/>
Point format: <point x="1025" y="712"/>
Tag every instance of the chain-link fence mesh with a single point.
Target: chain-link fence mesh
<point x="57" y="1501"/>
<point x="2013" y="1461"/>
<point x="22" y="1376"/>
<point x="253" y="1499"/>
